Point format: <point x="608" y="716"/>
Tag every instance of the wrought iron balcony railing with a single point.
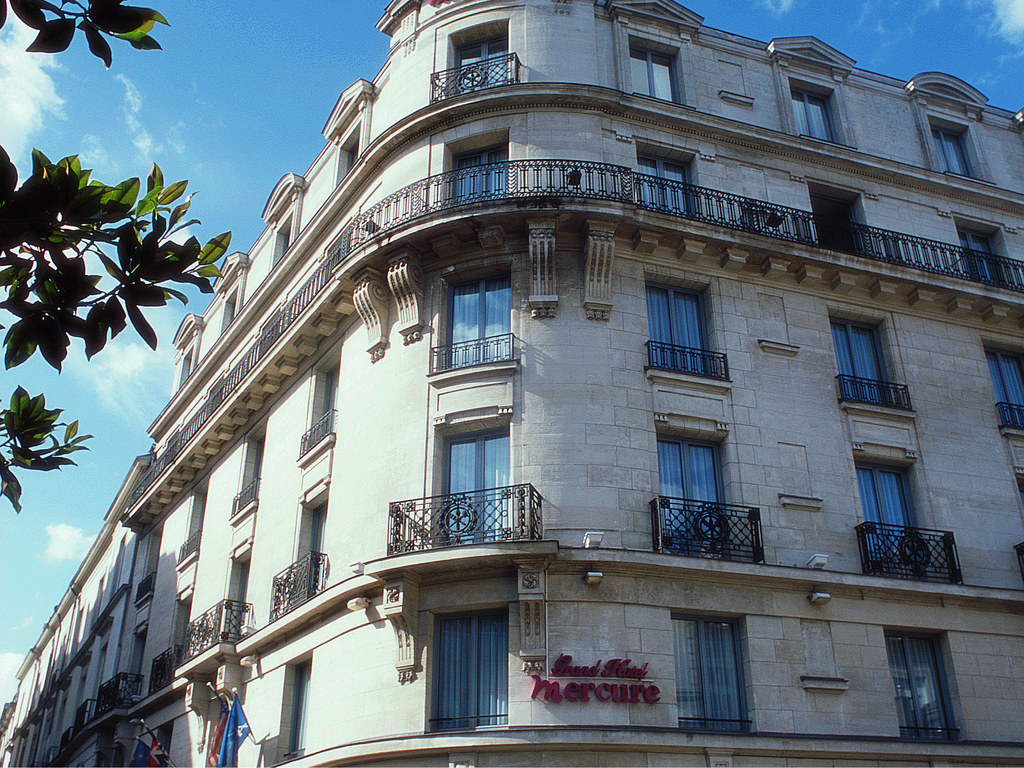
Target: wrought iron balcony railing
<point x="465" y="354"/>
<point x="190" y="547"/>
<point x="119" y="692"/>
<point x="321" y="429"/>
<point x="146" y="586"/>
<point x="85" y="713"/>
<point x="489" y="73"/>
<point x="249" y="493"/>
<point x="706" y="529"/>
<point x="1011" y="415"/>
<point x="512" y="513"/>
<point x="700" y="362"/>
<point x="930" y="734"/>
<point x="298" y="583"/>
<point x="1019" y="549"/>
<point x="67" y="737"/>
<point x="221" y="624"/>
<point x="906" y="552"/>
<point x="854" y="389"/>
<point x="161" y="672"/>
<point x="713" y="724"/>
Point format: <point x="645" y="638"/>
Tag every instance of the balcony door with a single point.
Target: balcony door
<point x="883" y="496"/>
<point x="481" y="322"/>
<point x="474" y="53"/>
<point x="688" y="470"/>
<point x="833" y="222"/>
<point x="474" y="508"/>
<point x="479" y="175"/>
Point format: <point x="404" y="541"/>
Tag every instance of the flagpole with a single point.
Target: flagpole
<point x="156" y="738"/>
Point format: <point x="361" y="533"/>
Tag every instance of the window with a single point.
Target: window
<point x="475" y="509"/>
<point x="325" y="387"/>
<point x="813" y="115"/>
<point x="282" y="240"/>
<point x="678" y="338"/>
<point x="688" y="470"/>
<point x="1007" y="371"/>
<point x="668" y="190"/>
<point x="471" y="680"/>
<point x="300" y="676"/>
<point x="480" y="175"/>
<point x="883" y="496"/>
<point x="230" y="307"/>
<point x="833" y="222"/>
<point x="251" y="471"/>
<point x="979" y="260"/>
<point x="949" y="149"/>
<point x="186" y="369"/>
<point x="709" y="681"/>
<point x="921" y="700"/>
<point x="474" y="53"/>
<point x="480" y="324"/>
<point x="349" y="155"/>
<point x="653" y="74"/>
<point x="862" y="377"/>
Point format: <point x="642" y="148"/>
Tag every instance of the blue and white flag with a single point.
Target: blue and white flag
<point x="235" y="732"/>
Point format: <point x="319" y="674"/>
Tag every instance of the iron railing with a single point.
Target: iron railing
<point x="85" y="713"/>
<point x="146" y="587"/>
<point x="299" y="582"/>
<point x="939" y="733"/>
<point x="1011" y="415"/>
<point x="249" y="493"/>
<point x="1019" y="549"/>
<point x="221" y="624"/>
<point x="512" y="513"/>
<point x="464" y="354"/>
<point x="857" y="390"/>
<point x="706" y="529"/>
<point x="67" y="737"/>
<point x="700" y="362"/>
<point x="547" y="181"/>
<point x="907" y="552"/>
<point x="468" y="721"/>
<point x="489" y="73"/>
<point x="118" y="692"/>
<point x="161" y="672"/>
<point x="321" y="429"/>
<point x="190" y="547"/>
<point x="713" y="724"/>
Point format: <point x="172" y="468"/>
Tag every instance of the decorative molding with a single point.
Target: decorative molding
<point x="778" y="347"/>
<point x="600" y="256"/>
<point x="405" y="278"/>
<point x="736" y="98"/>
<point x="400" y="606"/>
<point x="534" y="666"/>
<point x="795" y="501"/>
<point x="371" y="299"/>
<point x="820" y="684"/>
<point x="532" y="614"/>
<point x="543" y="299"/>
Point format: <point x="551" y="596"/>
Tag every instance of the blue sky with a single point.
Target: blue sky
<point x="238" y="98"/>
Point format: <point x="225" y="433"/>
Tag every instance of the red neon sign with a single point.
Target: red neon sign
<point x="608" y="690"/>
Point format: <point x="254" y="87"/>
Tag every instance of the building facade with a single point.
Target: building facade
<point x="653" y="401"/>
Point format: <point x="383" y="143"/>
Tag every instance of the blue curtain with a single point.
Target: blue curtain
<point x="659" y="324"/>
<point x="707" y="673"/>
<point x="675" y="317"/>
<point x="1006" y="378"/>
<point x="883" y="496"/>
<point x="688" y="689"/>
<point x="688" y="470"/>
<point x="914" y="664"/>
<point x="688" y="325"/>
<point x="857" y="351"/>
<point x="703" y="482"/>
<point x="465" y="321"/>
<point x="472" y="672"/>
<point x="722" y="680"/>
<point x="670" y="469"/>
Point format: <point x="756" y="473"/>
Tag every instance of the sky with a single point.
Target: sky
<point x="237" y="98"/>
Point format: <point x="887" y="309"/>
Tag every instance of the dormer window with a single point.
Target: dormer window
<point x="949" y="149"/>
<point x="812" y="114"/>
<point x="653" y="74"/>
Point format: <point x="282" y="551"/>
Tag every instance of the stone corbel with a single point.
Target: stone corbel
<point x="543" y="298"/>
<point x="532" y="618"/>
<point x="405" y="278"/>
<point x="600" y="255"/>
<point x="371" y="299"/>
<point x="401" y="599"/>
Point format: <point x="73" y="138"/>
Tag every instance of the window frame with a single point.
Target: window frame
<point x="944" y="701"/>
<point x="903" y="491"/>
<point x="685" y="479"/>
<point x="479" y="439"/>
<point x="298" y="709"/>
<point x="743" y="722"/>
<point x="480" y="348"/>
<point x="946" y="141"/>
<point x="474" y="647"/>
<point x="484" y="43"/>
<point x="876" y="349"/>
<point x="827" y="98"/>
<point x="647" y="55"/>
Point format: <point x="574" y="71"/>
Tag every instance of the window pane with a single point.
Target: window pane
<point x="496" y="462"/>
<point x="864" y="351"/>
<point x="661" y="77"/>
<point x="817" y="118"/>
<point x="658" y="319"/>
<point x="892" y="498"/>
<point x="472" y="672"/>
<point x="688" y="325"/>
<point x="638" y="71"/>
<point x="1012" y="378"/>
<point x="708" y="689"/>
<point x="920" y="696"/>
<point x="492" y="686"/>
<point x="465" y="312"/>
<point x="462" y="475"/>
<point x="498" y="307"/>
<point x="841" y="340"/>
<point x="703" y="485"/>
<point x="868" y="496"/>
<point x="670" y="468"/>
<point x="456" y="662"/>
<point x="722" y="679"/>
<point x="800" y="115"/>
<point x="688" y="690"/>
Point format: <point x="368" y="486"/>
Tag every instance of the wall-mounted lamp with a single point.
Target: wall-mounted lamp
<point x="358" y="568"/>
<point x="592" y="539"/>
<point x="816" y="561"/>
<point x="593" y="578"/>
<point x="249" y="661"/>
<point x="359" y="603"/>
<point x="818" y="598"/>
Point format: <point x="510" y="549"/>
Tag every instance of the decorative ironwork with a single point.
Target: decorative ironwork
<point x="489" y="73"/>
<point x="161" y="673"/>
<point x="118" y="692"/>
<point x="221" y="624"/>
<point x="323" y="427"/>
<point x="146" y="586"/>
<point x="464" y="354"/>
<point x="929" y="734"/>
<point x="191" y="546"/>
<point x="1011" y="415"/>
<point x="512" y="513"/>
<point x="857" y="390"/>
<point x="717" y="724"/>
<point x="298" y="583"/>
<point x="700" y="362"/>
<point x="467" y="721"/>
<point x="1019" y="549"/>
<point x="907" y="552"/>
<point x="85" y="713"/>
<point x="246" y="496"/>
<point x="706" y="529"/>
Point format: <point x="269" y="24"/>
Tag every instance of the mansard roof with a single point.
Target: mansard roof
<point x="657" y="10"/>
<point x="946" y="86"/>
<point x="810" y="49"/>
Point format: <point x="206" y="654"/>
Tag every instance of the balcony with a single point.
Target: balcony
<point x="86" y="712"/>
<point x="119" y="692"/>
<point x="298" y="583"/>
<point x="161" y="673"/>
<point x="67" y="737"/>
<point x="1011" y="415"/>
<point x="707" y="529"/>
<point x="146" y="586"/>
<point x="512" y="513"/>
<point x="246" y="496"/>
<point x="465" y="354"/>
<point x="699" y="362"/>
<point x="323" y="427"/>
<point x="221" y="624"/>
<point x="190" y="547"/>
<point x="853" y="389"/>
<point x="1019" y="549"/>
<point x="906" y="552"/>
<point x="489" y="73"/>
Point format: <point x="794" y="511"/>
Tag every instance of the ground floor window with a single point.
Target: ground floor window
<point x="921" y="700"/>
<point x="709" y="678"/>
<point x="471" y="680"/>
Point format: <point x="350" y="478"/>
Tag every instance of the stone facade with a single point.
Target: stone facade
<point x="304" y="471"/>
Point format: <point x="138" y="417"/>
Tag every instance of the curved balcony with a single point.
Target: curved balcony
<point x="1011" y="415"/>
<point x="907" y="552"/>
<point x="708" y="529"/>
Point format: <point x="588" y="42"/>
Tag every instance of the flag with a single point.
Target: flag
<point x="235" y="732"/>
<point x="217" y="736"/>
<point x="152" y="756"/>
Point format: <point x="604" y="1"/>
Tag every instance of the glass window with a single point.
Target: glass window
<point x="883" y="496"/>
<point x="471" y="53"/>
<point x="678" y="337"/>
<point x="709" y="681"/>
<point x="688" y="470"/>
<point x="1007" y="377"/>
<point x="857" y="351"/>
<point x="480" y="327"/>
<point x="978" y="253"/>
<point x="921" y="701"/>
<point x="471" y="680"/>
<point x="475" y="507"/>
<point x="477" y="463"/>
<point x="812" y="115"/>
<point x="949" y="148"/>
<point x="667" y="191"/>
<point x="300" y="706"/>
<point x="653" y="74"/>
<point x="480" y="175"/>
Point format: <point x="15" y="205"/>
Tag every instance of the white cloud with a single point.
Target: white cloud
<point x="779" y="6"/>
<point x="28" y="94"/>
<point x="9" y="663"/>
<point x="65" y="543"/>
<point x="141" y="138"/>
<point x="1010" y="18"/>
<point x="95" y="157"/>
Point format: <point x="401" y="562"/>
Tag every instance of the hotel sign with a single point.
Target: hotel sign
<point x="619" y="681"/>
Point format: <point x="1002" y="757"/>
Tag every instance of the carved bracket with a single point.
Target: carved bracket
<point x="400" y="603"/>
<point x="371" y="299"/>
<point x="405" y="278"/>
<point x="543" y="299"/>
<point x="600" y="254"/>
<point x="532" y="616"/>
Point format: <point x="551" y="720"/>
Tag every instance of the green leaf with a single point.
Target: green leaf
<point x="209" y="270"/>
<point x="143" y="43"/>
<point x="100" y="48"/>
<point x="148" y="203"/>
<point x="214" y="249"/>
<point x="11" y="486"/>
<point x="152" y="15"/>
<point x="54" y="36"/>
<point x="155" y="178"/>
<point x="124" y="193"/>
<point x="142" y="327"/>
<point x="70" y="431"/>
<point x="172" y="193"/>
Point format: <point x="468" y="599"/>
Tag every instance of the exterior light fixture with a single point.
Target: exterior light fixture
<point x="359" y="603"/>
<point x="816" y="561"/>
<point x="593" y="578"/>
<point x="818" y="598"/>
<point x="592" y="539"/>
